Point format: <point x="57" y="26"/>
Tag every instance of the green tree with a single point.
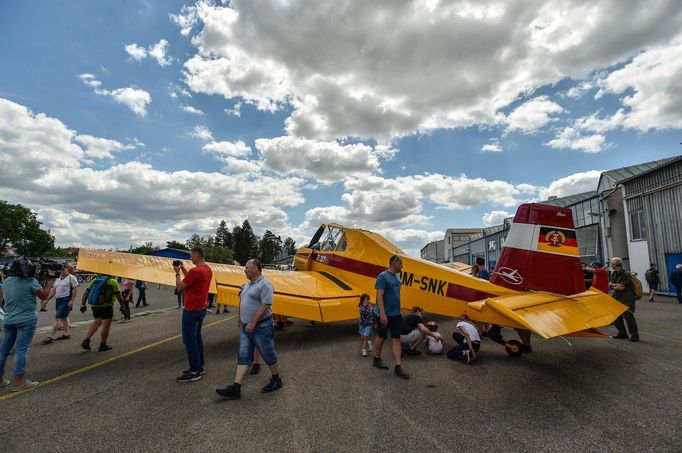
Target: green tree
<point x="212" y="252"/>
<point x="20" y="229"/>
<point x="223" y="236"/>
<point x="289" y="246"/>
<point x="176" y="245"/>
<point x="245" y="242"/>
<point x="145" y="248"/>
<point x="269" y="247"/>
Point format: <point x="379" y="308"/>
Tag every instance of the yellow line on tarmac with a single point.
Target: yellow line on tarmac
<point x="104" y="362"/>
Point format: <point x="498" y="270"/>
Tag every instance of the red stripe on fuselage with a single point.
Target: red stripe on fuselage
<point x="372" y="271"/>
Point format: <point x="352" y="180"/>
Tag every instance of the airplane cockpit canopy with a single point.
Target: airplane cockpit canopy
<point x="329" y="238"/>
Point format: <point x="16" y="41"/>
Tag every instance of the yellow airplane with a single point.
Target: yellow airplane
<point x="536" y="287"/>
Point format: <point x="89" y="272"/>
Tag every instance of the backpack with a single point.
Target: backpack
<point x="650" y="276"/>
<point x="100" y="293"/>
<point x="636" y="287"/>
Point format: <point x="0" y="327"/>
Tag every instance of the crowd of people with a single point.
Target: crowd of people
<point x="410" y="333"/>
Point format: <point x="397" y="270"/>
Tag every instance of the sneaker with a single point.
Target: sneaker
<point x="225" y="310"/>
<point x="103" y="347"/>
<point x="411" y="351"/>
<point x="201" y="371"/>
<point x="208" y="310"/>
<point x="255" y="368"/>
<point x="231" y="392"/>
<point x="47" y="340"/>
<point x="274" y="384"/>
<point x="369" y="346"/>
<point x="23" y="386"/>
<point x="377" y="363"/>
<point x="620" y="336"/>
<point x="188" y="377"/>
<point x="43" y="309"/>
<point x="634" y="338"/>
<point x="467" y="357"/>
<point x="364" y="353"/>
<point x="4" y="382"/>
<point x="398" y="371"/>
<point x="86" y="344"/>
<point x="64" y="337"/>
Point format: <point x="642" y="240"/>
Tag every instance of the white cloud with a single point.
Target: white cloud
<point x="134" y="98"/>
<point x="236" y="110"/>
<point x="652" y="84"/>
<point x="495" y="217"/>
<point x="395" y="68"/>
<point x="492" y="147"/>
<point x="156" y="51"/>
<point x="102" y="148"/>
<point x="571" y="138"/>
<point x="572" y="184"/>
<point x="202" y="133"/>
<point x="226" y="148"/>
<point x="192" y="110"/>
<point x="532" y="115"/>
<point x="325" y="161"/>
<point x="42" y="165"/>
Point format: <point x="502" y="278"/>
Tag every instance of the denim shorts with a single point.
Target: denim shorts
<point x="365" y="330"/>
<point x="262" y="337"/>
<point x="62" y="304"/>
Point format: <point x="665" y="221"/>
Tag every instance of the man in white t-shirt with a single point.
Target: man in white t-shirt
<point x="64" y="291"/>
<point x="468" y="341"/>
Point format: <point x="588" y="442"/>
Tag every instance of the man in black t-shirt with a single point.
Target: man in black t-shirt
<point x="413" y="330"/>
<point x="652" y="280"/>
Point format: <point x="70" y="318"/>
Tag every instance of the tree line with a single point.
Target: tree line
<point x="21" y="232"/>
<point x="239" y="244"/>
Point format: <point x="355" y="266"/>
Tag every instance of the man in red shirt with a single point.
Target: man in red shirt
<point x="195" y="286"/>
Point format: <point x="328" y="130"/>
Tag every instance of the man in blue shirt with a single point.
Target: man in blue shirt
<point x="482" y="271"/>
<point x="390" y="317"/>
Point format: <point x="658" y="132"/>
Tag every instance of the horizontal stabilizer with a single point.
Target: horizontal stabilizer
<point x="552" y="315"/>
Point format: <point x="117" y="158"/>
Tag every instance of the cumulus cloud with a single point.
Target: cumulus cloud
<point x="226" y="148"/>
<point x="42" y="164"/>
<point x="102" y="148"/>
<point x="156" y="51"/>
<point x="135" y="99"/>
<point x="532" y="115"/>
<point x="192" y="110"/>
<point x="572" y="184"/>
<point x="652" y="85"/>
<point x="571" y="138"/>
<point x="492" y="147"/>
<point x="395" y="68"/>
<point x="325" y="161"/>
<point x="495" y="217"/>
<point x="202" y="133"/>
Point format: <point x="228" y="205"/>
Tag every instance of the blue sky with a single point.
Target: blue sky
<point x="127" y="122"/>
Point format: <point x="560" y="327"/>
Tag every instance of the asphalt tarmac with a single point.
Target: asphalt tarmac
<point x="589" y="395"/>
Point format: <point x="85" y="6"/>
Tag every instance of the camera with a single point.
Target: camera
<point x="177" y="263"/>
<point x="42" y="269"/>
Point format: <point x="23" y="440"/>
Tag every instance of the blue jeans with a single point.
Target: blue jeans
<point x="263" y="337"/>
<point x="21" y="334"/>
<point x="191" y="338"/>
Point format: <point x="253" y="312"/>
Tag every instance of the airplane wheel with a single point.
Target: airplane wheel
<point x="514" y="348"/>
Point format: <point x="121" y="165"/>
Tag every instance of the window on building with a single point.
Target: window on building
<point x="638" y="226"/>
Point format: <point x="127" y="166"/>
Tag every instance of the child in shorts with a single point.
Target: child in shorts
<point x="366" y="323"/>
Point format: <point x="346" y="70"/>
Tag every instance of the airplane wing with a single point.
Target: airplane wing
<point x="315" y="296"/>
<point x="553" y="315"/>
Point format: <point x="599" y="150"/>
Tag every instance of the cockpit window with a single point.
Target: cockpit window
<point x="331" y="239"/>
<point x="342" y="244"/>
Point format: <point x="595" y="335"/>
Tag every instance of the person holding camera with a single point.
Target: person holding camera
<point x="20" y="290"/>
<point x="194" y="286"/>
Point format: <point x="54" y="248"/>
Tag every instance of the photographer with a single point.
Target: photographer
<point x="20" y="289"/>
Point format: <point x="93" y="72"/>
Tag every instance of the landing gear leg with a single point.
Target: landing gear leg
<point x="524" y="335"/>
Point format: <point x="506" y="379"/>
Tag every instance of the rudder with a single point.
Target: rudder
<point x="541" y="252"/>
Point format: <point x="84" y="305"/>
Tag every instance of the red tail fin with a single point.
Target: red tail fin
<point x="541" y="252"/>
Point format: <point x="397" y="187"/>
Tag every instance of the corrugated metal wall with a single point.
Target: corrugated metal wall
<point x="660" y="195"/>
